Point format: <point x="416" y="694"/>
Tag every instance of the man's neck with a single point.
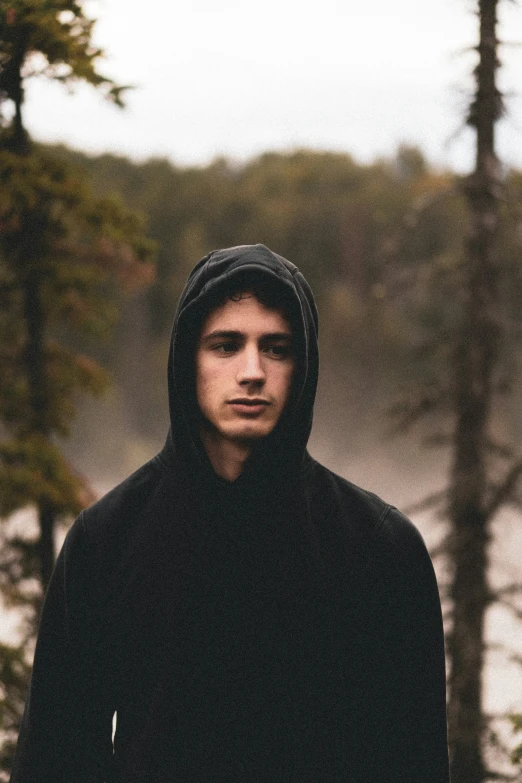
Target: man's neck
<point x="228" y="457"/>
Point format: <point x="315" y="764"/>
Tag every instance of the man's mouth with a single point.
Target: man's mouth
<point x="249" y="405"/>
<point x="249" y="401"/>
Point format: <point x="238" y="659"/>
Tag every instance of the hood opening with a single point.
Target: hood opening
<point x="275" y="280"/>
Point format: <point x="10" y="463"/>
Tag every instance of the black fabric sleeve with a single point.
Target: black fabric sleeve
<point x="65" y="736"/>
<point x="403" y="728"/>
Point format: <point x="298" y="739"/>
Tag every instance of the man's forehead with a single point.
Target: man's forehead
<point x="243" y="311"/>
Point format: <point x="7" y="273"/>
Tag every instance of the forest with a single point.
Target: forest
<point x="418" y="281"/>
<point x="381" y="244"/>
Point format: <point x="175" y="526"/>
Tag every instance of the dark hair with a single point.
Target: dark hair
<point x="268" y="292"/>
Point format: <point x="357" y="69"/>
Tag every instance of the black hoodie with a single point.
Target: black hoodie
<point x="281" y="628"/>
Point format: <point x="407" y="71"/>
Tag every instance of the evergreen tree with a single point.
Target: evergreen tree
<point x="472" y="500"/>
<point x="469" y="374"/>
<point x="65" y="258"/>
<point x="52" y="38"/>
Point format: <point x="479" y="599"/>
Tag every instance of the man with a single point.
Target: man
<point x="238" y="611"/>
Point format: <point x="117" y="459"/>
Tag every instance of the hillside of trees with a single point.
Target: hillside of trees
<point x="382" y="245"/>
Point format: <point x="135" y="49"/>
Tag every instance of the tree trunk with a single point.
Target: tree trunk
<point x="36" y="370"/>
<point x="476" y="359"/>
<point x="18" y="141"/>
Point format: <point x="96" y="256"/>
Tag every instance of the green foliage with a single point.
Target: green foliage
<point x="33" y="472"/>
<point x="14" y="672"/>
<point x="64" y="257"/>
<point x="516" y="755"/>
<point x="334" y="217"/>
<point x="77" y="252"/>
<point x="66" y="260"/>
<point x="50" y="38"/>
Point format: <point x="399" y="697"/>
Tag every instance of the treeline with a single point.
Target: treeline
<point x="381" y="243"/>
<point x="333" y="216"/>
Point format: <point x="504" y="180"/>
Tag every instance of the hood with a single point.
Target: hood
<point x="285" y="447"/>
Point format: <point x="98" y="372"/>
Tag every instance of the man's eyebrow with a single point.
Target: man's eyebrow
<point x="277" y="336"/>
<point x="224" y="334"/>
<point x="230" y="334"/>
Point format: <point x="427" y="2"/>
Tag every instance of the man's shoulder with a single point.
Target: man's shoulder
<point x="367" y="514"/>
<point x="128" y="500"/>
<point x="339" y="495"/>
<point x="374" y="536"/>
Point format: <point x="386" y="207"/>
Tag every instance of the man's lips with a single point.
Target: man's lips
<point x="252" y="405"/>
<point x="249" y="401"/>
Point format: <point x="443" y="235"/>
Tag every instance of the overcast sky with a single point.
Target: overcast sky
<point x="236" y="77"/>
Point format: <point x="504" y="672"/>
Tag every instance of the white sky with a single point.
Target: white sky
<point x="237" y="77"/>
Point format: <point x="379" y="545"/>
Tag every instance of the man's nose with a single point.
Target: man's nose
<point x="251" y="367"/>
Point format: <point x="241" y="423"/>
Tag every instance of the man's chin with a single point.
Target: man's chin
<point x="248" y="434"/>
<point x="240" y="432"/>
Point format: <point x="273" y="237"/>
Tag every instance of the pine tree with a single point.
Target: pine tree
<point x="470" y="350"/>
<point x="52" y="38"/>
<point x="476" y="365"/>
<point x="66" y="257"/>
<point x="63" y="256"/>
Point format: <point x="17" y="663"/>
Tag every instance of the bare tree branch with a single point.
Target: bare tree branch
<point x="440" y="550"/>
<point x="514" y="588"/>
<point x="427" y="503"/>
<point x="504" y="490"/>
<point x="500" y="449"/>
<point x="515" y="610"/>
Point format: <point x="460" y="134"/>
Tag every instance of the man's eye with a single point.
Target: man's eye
<point x="225" y="347"/>
<point x="278" y="351"/>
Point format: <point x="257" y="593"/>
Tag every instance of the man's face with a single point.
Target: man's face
<point x="244" y="368"/>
